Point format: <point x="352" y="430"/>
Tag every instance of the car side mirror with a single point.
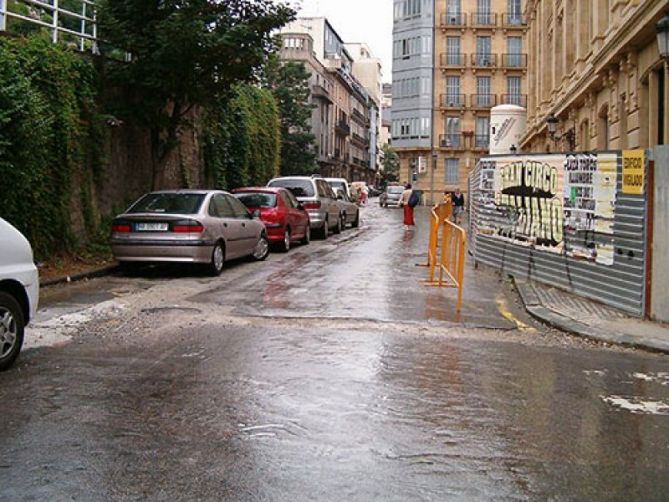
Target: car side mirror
<point x="256" y="214"/>
<point x="300" y="206"/>
<point x="340" y="196"/>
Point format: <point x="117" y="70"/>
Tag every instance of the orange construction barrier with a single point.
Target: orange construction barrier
<point x="446" y="253"/>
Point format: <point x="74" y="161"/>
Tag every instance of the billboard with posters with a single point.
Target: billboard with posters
<point x="560" y="203"/>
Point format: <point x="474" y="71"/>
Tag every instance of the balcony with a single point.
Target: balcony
<point x="511" y="21"/>
<point x="453" y="20"/>
<point x="453" y="101"/>
<point x="481" y="142"/>
<point x="514" y="99"/>
<point x="320" y="92"/>
<point x="448" y="60"/>
<point x="514" y="61"/>
<point x="360" y="162"/>
<point x="452" y="141"/>
<point x="484" y="60"/>
<point x="342" y="127"/>
<point x="484" y="20"/>
<point x="359" y="117"/>
<point x="483" y="101"/>
<point x="359" y="141"/>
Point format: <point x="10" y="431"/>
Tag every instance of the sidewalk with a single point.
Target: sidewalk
<point x="590" y="319"/>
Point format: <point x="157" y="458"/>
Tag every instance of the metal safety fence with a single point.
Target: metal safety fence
<point x="446" y="251"/>
<point x="73" y="21"/>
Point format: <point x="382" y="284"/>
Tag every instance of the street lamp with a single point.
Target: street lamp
<point x="662" y="30"/>
<point x="570" y="135"/>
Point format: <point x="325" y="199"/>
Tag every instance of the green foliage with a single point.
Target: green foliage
<point x="391" y="165"/>
<point x="289" y="82"/>
<point x="242" y="139"/>
<point x="49" y="133"/>
<point x="184" y="54"/>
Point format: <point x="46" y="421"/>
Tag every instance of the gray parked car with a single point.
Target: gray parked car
<point x="391" y="197"/>
<point x="318" y="199"/>
<point x="348" y="205"/>
<point x="188" y="226"/>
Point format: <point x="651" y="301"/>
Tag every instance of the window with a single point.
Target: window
<point x="453" y="12"/>
<point x="452" y="131"/>
<point x="453" y="90"/>
<point x="451" y="171"/>
<point x="483" y="49"/>
<point x="483" y="15"/>
<point x="513" y="91"/>
<point x="514" y="12"/>
<point x="453" y="50"/>
<point x="482" y="136"/>
<point x="220" y="207"/>
<point x="238" y="208"/>
<point x="483" y="96"/>
<point x="514" y="48"/>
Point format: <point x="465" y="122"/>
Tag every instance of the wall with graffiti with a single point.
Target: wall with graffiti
<point x="569" y="209"/>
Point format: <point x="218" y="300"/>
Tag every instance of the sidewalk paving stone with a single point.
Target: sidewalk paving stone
<point x="590" y="319"/>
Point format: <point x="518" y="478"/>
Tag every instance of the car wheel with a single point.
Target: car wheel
<point x="337" y="229"/>
<point x="356" y="222"/>
<point x="325" y="231"/>
<point x="285" y="244"/>
<point x="12" y="326"/>
<point x="217" y="260"/>
<point x="261" y="251"/>
<point x="307" y="235"/>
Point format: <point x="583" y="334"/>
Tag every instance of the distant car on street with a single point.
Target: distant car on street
<point x="348" y="205"/>
<point x="317" y="198"/>
<point x="391" y="197"/>
<point x="188" y="226"/>
<point x="284" y="216"/>
<point x="19" y="291"/>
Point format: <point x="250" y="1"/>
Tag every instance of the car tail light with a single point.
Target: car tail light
<point x="312" y="205"/>
<point x="121" y="228"/>
<point x="187" y="227"/>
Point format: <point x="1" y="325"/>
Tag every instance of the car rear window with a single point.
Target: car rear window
<point x="257" y="199"/>
<point x="338" y="185"/>
<point x="396" y="190"/>
<point x="168" y="203"/>
<point x="300" y="188"/>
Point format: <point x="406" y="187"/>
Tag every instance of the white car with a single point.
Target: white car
<point x="19" y="291"/>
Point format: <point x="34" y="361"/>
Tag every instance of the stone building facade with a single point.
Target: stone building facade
<point x="341" y="116"/>
<point x="453" y="61"/>
<point x="595" y="66"/>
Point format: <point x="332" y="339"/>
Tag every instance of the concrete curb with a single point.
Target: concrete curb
<point x="89" y="274"/>
<point x="536" y="309"/>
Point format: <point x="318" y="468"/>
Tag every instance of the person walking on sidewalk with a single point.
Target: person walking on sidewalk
<point x="408" y="200"/>
<point x="458" y="200"/>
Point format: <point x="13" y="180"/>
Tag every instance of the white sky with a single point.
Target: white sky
<point x="369" y="21"/>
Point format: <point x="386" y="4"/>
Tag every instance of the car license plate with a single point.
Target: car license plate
<point x="152" y="227"/>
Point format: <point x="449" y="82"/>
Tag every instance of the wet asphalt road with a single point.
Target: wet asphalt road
<point x="329" y="373"/>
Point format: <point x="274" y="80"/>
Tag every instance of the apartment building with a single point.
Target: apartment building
<point x="595" y="71"/>
<point x="367" y="69"/>
<point x="453" y="60"/>
<point x="341" y="118"/>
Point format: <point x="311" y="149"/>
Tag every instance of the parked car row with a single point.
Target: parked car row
<point x="209" y="227"/>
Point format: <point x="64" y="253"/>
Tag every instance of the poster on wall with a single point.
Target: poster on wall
<point x="558" y="203"/>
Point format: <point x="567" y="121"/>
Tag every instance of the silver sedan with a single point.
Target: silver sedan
<point x="188" y="226"/>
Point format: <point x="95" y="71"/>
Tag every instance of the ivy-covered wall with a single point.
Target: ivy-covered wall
<point x="242" y="139"/>
<point x="66" y="167"/>
<point x="50" y="135"/>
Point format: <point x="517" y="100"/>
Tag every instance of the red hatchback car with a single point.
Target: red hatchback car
<point x="286" y="220"/>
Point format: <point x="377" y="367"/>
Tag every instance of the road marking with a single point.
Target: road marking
<point x="503" y="308"/>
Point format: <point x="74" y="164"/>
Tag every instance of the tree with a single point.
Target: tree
<point x="183" y="54"/>
<point x="289" y="82"/>
<point x="391" y="165"/>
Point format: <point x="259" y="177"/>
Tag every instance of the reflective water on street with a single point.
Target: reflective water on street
<point x="329" y="374"/>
